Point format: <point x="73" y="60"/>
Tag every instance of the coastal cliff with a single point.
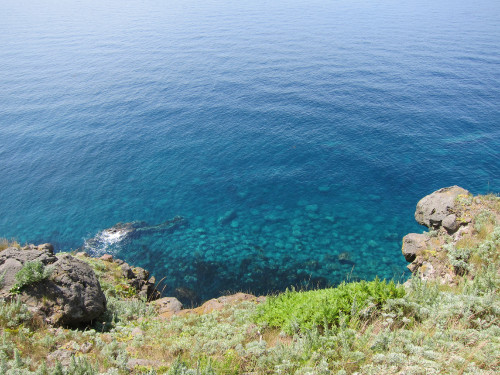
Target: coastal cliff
<point x="69" y="313"/>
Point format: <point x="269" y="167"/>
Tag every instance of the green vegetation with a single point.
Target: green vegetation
<point x="32" y="272"/>
<point x="356" y="328"/>
<point x="293" y="311"/>
<point x="111" y="279"/>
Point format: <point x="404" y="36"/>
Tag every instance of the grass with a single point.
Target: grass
<point x="5" y="244"/>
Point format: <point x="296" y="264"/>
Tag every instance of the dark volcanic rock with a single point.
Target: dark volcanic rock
<point x="71" y="295"/>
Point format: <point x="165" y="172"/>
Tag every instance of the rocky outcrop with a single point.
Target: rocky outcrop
<point x="454" y="218"/>
<point x="67" y="292"/>
<point x="138" y="278"/>
<point x="413" y="244"/>
<point x="217" y="304"/>
<point x="167" y="306"/>
<point x="439" y="208"/>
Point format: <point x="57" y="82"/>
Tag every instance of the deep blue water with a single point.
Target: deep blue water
<point x="312" y="127"/>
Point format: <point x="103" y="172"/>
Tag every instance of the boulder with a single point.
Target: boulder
<point x="413" y="244"/>
<point x="434" y="208"/>
<point x="107" y="258"/>
<point x="167" y="306"/>
<point x="127" y="271"/>
<point x="69" y="295"/>
<point x="12" y="260"/>
<point x="450" y="223"/>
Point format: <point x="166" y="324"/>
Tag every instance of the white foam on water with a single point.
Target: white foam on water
<point x="105" y="242"/>
<point x="112" y="237"/>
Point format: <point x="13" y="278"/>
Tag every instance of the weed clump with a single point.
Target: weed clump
<point x="5" y="244"/>
<point x="30" y="273"/>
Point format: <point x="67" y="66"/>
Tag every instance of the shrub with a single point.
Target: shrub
<point x="13" y="314"/>
<point x="459" y="258"/>
<point x="483" y="219"/>
<point x="31" y="272"/>
<point x="324" y="308"/>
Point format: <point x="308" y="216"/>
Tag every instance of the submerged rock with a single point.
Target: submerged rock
<point x="125" y="231"/>
<point x="69" y="293"/>
<point x="228" y="217"/>
<point x="345" y="258"/>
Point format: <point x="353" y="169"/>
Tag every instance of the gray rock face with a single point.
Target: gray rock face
<point x="413" y="244"/>
<point x="71" y="295"/>
<point x="434" y="208"/>
<point x="139" y="279"/>
<point x="12" y="260"/>
<point x="168" y="306"/>
<point x="450" y="223"/>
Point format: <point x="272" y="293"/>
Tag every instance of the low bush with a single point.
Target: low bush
<point x="31" y="272"/>
<point x="292" y="310"/>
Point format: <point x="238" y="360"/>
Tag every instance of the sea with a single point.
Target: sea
<point x="246" y="145"/>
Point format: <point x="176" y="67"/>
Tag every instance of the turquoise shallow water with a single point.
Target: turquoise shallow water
<point x="293" y="137"/>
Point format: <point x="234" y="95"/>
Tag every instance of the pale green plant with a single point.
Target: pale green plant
<point x="30" y="273"/>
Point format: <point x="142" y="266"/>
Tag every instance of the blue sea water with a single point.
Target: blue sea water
<point x="294" y="137"/>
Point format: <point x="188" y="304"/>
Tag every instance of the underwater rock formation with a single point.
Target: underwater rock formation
<point x="125" y="231"/>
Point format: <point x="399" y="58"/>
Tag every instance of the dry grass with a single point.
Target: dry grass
<point x="467" y="242"/>
<point x="5" y="243"/>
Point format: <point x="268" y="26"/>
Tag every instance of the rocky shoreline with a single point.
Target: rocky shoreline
<point x="70" y="293"/>
<point x="71" y="313"/>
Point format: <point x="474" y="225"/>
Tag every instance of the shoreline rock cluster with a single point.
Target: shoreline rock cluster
<point x="454" y="218"/>
<point x="137" y="277"/>
<point x="71" y="295"/>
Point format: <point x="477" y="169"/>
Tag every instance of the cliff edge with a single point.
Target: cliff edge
<point x="463" y="236"/>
